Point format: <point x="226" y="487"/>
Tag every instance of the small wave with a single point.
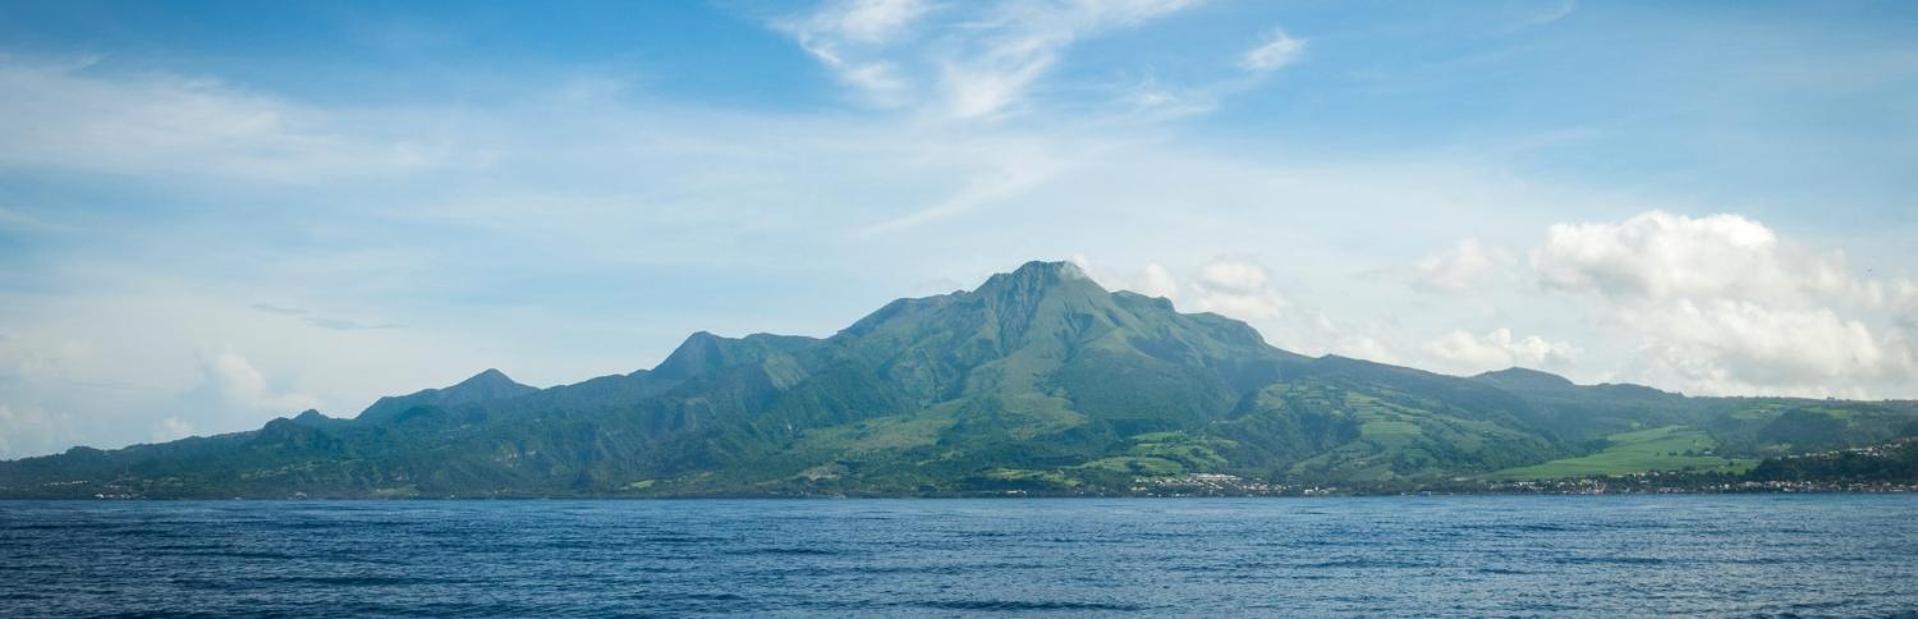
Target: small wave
<point x="361" y="581"/>
<point x="1023" y="606"/>
<point x="785" y="551"/>
<point x="676" y="540"/>
<point x="1503" y="571"/>
<point x="47" y="526"/>
<point x="1611" y="561"/>
<point x="694" y="596"/>
<point x="219" y="553"/>
<point x="912" y="569"/>
<point x="142" y="533"/>
<point x="1367" y="564"/>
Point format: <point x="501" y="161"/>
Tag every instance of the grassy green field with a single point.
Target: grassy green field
<point x="1657" y="449"/>
<point x="1146" y="466"/>
<point x="1191" y="453"/>
<point x="1054" y="478"/>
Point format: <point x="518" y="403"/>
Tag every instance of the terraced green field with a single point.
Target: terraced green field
<point x="1145" y="467"/>
<point x="1668" y="448"/>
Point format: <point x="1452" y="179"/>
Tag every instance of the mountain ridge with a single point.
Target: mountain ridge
<point x="488" y="384"/>
<point x="1037" y="380"/>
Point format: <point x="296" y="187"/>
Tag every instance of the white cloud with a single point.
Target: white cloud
<point x="1316" y="332"/>
<point x="30" y="430"/>
<point x="1722" y="304"/>
<point x="1232" y="286"/>
<point x="1002" y="170"/>
<point x="72" y="116"/>
<point x="876" y="21"/>
<point x="1147" y="99"/>
<point x="839" y="33"/>
<point x="1153" y="280"/>
<point x="1277" y="52"/>
<point x="245" y="387"/>
<point x="1364" y="347"/>
<point x="1659" y="255"/>
<point x="1009" y="49"/>
<point x="172" y="428"/>
<point x="1467" y="353"/>
<point x="1150" y="99"/>
<point x="1238" y="288"/>
<point x="1743" y="345"/>
<point x="978" y="65"/>
<point x="1552" y="13"/>
<point x="1456" y="269"/>
<point x="1156" y="281"/>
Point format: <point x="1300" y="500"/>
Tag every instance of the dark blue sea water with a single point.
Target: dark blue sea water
<point x="1746" y="555"/>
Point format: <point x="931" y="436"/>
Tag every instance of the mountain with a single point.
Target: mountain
<point x="1039" y="380"/>
<point x="488" y="385"/>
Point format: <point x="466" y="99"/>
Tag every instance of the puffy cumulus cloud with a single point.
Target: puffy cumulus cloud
<point x="1740" y="347"/>
<point x="173" y="428"/>
<point x="1157" y="281"/>
<point x="1458" y="268"/>
<point x="1469" y="353"/>
<point x="1243" y="289"/>
<point x="1278" y="51"/>
<point x="1365" y="347"/>
<point x="1657" y="255"/>
<point x="1724" y="305"/>
<point x="1152" y="280"/>
<point x="1314" y="331"/>
<point x="245" y="386"/>
<point x="1236" y="287"/>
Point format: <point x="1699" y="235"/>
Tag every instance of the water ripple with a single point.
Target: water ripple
<point x="1465" y="556"/>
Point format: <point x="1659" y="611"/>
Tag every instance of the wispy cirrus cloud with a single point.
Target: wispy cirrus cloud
<point x="1277" y="52"/>
<point x="978" y="62"/>
<point x="76" y="114"/>
<point x="323" y="322"/>
<point x="847" y="37"/>
<point x="979" y="66"/>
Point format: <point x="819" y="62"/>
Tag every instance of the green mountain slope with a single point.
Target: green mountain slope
<point x="1039" y="380"/>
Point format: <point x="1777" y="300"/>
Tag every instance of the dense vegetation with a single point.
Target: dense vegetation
<point x="1037" y="381"/>
<point x="1892" y="463"/>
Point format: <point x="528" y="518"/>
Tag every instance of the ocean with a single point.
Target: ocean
<point x="1769" y="555"/>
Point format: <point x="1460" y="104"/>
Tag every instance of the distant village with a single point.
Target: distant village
<point x="1885" y="468"/>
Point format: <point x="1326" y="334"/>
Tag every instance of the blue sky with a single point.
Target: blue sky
<point x="212" y="214"/>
